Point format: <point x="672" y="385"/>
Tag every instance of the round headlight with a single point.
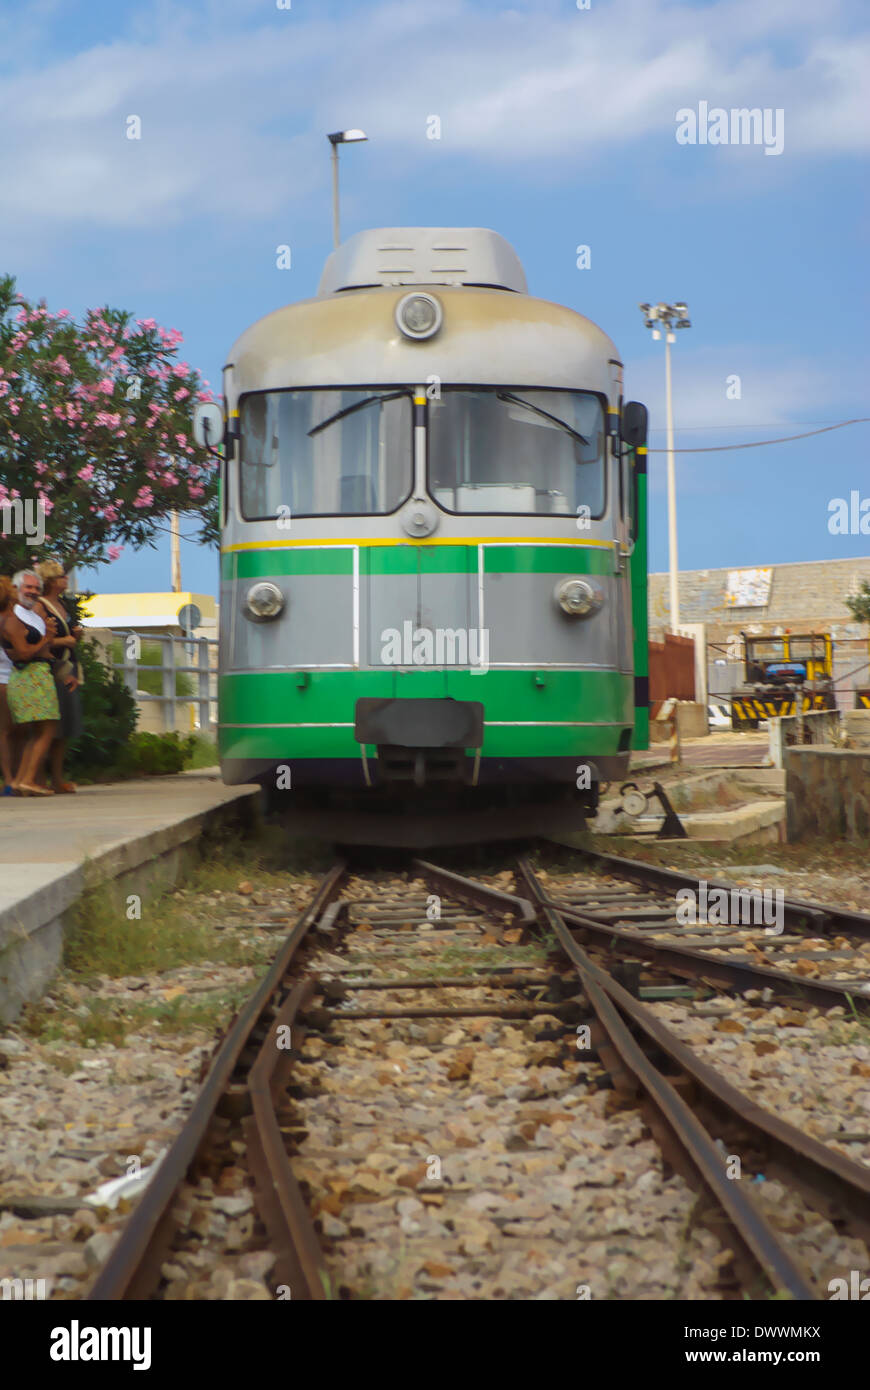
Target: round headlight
<point x="263" y="601"/>
<point x="577" y="597"/>
<point x="419" y="315"/>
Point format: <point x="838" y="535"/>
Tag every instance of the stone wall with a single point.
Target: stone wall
<point x="804" y="597"/>
<point x="827" y="793"/>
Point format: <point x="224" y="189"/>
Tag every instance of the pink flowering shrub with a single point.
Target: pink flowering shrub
<point x="96" y="422"/>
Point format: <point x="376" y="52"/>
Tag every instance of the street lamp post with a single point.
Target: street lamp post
<point x="669" y="317"/>
<point x="340" y="137"/>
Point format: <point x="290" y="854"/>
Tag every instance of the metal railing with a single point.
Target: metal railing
<point x="196" y="663"/>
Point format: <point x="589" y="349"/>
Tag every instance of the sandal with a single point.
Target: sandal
<point x="25" y="790"/>
<point x="66" y="788"/>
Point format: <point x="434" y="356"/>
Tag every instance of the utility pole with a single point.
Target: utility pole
<point x="176" y="552"/>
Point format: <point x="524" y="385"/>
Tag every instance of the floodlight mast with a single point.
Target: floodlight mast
<point x="669" y="317"/>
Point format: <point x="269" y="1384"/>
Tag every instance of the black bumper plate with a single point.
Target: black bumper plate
<point x="420" y="723"/>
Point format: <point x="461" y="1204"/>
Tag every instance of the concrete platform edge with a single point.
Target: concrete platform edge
<point x="32" y="930"/>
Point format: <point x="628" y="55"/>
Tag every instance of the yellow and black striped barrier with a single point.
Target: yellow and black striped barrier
<point x="752" y="707"/>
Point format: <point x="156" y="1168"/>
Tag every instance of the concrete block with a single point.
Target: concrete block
<point x="691" y="719"/>
<point x="857" y="722"/>
<point x="827" y="793"/>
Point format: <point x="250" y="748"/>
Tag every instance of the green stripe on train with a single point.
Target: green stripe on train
<point x="600" y="701"/>
<point x="295" y="744"/>
<point x="417" y="559"/>
<point x="277" y="697"/>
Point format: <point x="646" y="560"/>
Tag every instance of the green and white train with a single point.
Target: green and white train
<point x="433" y="570"/>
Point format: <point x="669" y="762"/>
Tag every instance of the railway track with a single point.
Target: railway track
<point x="812" y="952"/>
<point x="304" y="1090"/>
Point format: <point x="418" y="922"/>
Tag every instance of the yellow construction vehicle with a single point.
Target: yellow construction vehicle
<point x="782" y="676"/>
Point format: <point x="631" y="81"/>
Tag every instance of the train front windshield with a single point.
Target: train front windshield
<point x="520" y="451"/>
<point x="490" y="450"/>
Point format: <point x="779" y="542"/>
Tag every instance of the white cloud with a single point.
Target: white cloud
<point x="786" y="397"/>
<point x="772" y="393"/>
<point x="234" y="116"/>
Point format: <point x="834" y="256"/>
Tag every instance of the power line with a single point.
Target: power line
<point x="754" y="424"/>
<point x="759" y="443"/>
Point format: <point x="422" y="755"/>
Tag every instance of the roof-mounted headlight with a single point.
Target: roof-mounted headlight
<point x="263" y="602"/>
<point x="578" y="597"/>
<point x="419" y="315"/>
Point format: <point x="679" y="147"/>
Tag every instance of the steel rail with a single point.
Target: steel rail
<point x="811" y="1165"/>
<point x="701" y="964"/>
<point x="299" y="1261"/>
<point x="796" y="911"/>
<point x="821" y="1170"/>
<point x="471" y="891"/>
<point x="132" y="1270"/>
<point x="748" y="1229"/>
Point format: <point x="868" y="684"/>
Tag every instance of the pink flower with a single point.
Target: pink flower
<point x="195" y="490"/>
<point x="144" y="497"/>
<point x="115" y="552"/>
<point x="107" y="386"/>
<point x="86" y="473"/>
<point x="14" y="407"/>
<point x="180" y="394"/>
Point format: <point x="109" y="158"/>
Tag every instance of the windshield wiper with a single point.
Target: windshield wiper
<point x="517" y="400"/>
<point x="358" y="405"/>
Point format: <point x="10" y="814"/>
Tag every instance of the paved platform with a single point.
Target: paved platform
<point x="724" y="749"/>
<point x="53" y="848"/>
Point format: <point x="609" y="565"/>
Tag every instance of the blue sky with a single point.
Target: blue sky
<point x="557" y="129"/>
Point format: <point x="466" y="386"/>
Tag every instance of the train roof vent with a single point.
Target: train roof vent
<point x="423" y="256"/>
